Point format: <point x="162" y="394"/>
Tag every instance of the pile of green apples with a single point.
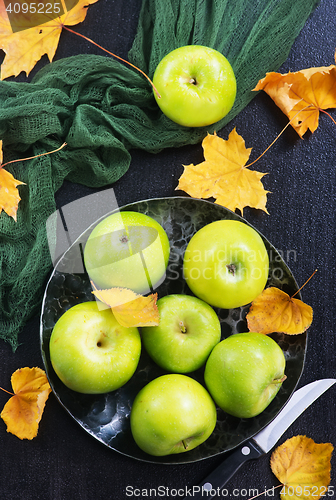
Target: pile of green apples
<point x="226" y="266"/>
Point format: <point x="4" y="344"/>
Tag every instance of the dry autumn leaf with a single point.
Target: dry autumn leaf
<point x="129" y="308"/>
<point x="302" y="95"/>
<point x="24" y="48"/>
<point x="275" y="311"/>
<point x="224" y="176"/>
<point x="9" y="194"/>
<point x="23" y="411"/>
<point x="303" y="467"/>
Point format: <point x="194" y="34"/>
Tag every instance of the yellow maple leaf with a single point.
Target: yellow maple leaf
<point x="301" y="95"/>
<point x="275" y="311"/>
<point x="303" y="467"/>
<point x="224" y="176"/>
<point x="24" y="48"/>
<point x="23" y="411"/>
<point x="129" y="308"/>
<point x="9" y="194"/>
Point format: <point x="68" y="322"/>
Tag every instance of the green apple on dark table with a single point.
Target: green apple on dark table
<point x="226" y="264"/>
<point x="197" y="85"/>
<point x="244" y="372"/>
<point x="129" y="250"/>
<point x="189" y="329"/>
<point x="172" y="414"/>
<point x="91" y="352"/>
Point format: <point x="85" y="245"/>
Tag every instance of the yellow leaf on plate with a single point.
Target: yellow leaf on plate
<point x="303" y="467"/>
<point x="302" y="94"/>
<point x="23" y="411"/>
<point x="24" y="48"/>
<point x="275" y="311"/>
<point x="129" y="308"/>
<point x="223" y="175"/>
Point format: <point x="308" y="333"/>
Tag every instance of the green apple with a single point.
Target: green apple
<point x="226" y="264"/>
<point x="172" y="414"/>
<point x="90" y="352"/>
<point x="244" y="372"/>
<point x="188" y="331"/>
<point x="128" y="250"/>
<point x="197" y="85"/>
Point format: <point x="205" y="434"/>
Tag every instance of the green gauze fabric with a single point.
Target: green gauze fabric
<point x="103" y="109"/>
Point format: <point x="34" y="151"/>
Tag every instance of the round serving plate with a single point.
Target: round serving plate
<point x="106" y="416"/>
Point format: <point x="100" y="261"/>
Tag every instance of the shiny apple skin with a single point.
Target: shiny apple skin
<point x="244" y="372"/>
<point x="197" y="86"/>
<point x="188" y="331"/>
<point x="172" y="414"/>
<point x="122" y="252"/>
<point x="90" y="352"/>
<point x="226" y="264"/>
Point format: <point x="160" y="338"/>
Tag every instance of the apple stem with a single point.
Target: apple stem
<point x="124" y="239"/>
<point x="279" y="380"/>
<point x="183" y="328"/>
<point x="117" y="57"/>
<point x="185" y="445"/>
<point x="232" y="268"/>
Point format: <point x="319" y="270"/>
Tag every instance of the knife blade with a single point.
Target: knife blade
<point x="264" y="441"/>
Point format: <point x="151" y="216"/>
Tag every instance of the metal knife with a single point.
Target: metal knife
<point x="264" y="441"/>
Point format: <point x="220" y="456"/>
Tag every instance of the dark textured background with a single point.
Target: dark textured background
<point x="63" y="462"/>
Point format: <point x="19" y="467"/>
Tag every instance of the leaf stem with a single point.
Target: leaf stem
<point x="277" y="137"/>
<point x="8" y="392"/>
<point x="304" y="284"/>
<point x="32" y="157"/>
<point x="266" y="491"/>
<point x="117" y="57"/>
<point x="325" y="112"/>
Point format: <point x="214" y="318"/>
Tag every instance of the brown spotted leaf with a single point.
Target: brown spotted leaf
<point x="23" y="411"/>
<point x="303" y="467"/>
<point x="275" y="311"/>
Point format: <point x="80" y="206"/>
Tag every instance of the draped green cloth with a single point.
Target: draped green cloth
<point x="103" y="109"/>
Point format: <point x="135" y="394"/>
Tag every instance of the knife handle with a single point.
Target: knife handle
<point x="219" y="477"/>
